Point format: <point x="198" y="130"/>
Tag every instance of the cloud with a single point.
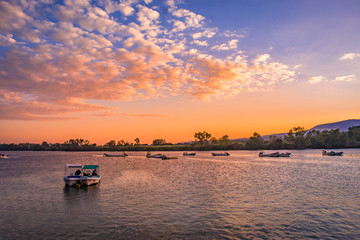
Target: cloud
<point x="6" y="40"/>
<point x="116" y="52"/>
<point x="229" y="33"/>
<point x="348" y="78"/>
<point x="147" y="15"/>
<point x="317" y="79"/>
<point x="184" y="19"/>
<point x="14" y="21"/>
<point x="200" y="43"/>
<point x="214" y="78"/>
<point x="124" y="7"/>
<point x="261" y="58"/>
<point x="20" y="106"/>
<point x="232" y="44"/>
<point x="171" y="3"/>
<point x="350" y="56"/>
<point x="206" y="32"/>
<point x="12" y="18"/>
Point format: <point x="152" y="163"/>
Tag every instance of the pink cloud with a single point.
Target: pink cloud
<point x="87" y="54"/>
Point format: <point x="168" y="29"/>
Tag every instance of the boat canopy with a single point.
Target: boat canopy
<point x="73" y="165"/>
<point x="90" y="167"/>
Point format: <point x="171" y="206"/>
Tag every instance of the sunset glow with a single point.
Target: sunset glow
<point x="102" y="70"/>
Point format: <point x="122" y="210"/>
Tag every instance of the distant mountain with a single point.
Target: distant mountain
<point x="343" y="126"/>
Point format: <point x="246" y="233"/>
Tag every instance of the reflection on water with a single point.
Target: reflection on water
<point x="74" y="192"/>
<point x="240" y="196"/>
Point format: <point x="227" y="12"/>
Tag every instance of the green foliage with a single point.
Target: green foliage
<point x="202" y="137"/>
<point x="224" y="139"/>
<point x="159" y="142"/>
<point x="255" y="142"/>
<point x="354" y="134"/>
<point x="112" y="143"/>
<point x="297" y="138"/>
<point x="275" y="143"/>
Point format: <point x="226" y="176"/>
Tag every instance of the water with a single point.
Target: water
<point x="203" y="197"/>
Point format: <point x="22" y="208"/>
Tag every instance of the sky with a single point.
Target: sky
<point x="166" y="69"/>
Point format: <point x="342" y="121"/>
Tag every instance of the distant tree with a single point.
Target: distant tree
<point x="333" y="138"/>
<point x="45" y="145"/>
<point x="202" y="137"/>
<point x="214" y="140"/>
<point x="224" y="139"/>
<point x="296" y="137"/>
<point x="275" y="142"/>
<point x="137" y="141"/>
<point x="79" y="141"/>
<point x="312" y="139"/>
<point x="255" y="142"/>
<point x="71" y="142"/>
<point x="354" y="134"/>
<point x="71" y="145"/>
<point x="112" y="143"/>
<point x="159" y="142"/>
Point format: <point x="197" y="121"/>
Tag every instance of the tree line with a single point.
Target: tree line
<point x="296" y="138"/>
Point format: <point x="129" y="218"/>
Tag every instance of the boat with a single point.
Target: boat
<point x="275" y="154"/>
<point x="188" y="154"/>
<point x="158" y="155"/>
<point x="287" y="154"/>
<point x="115" y="155"/>
<point x="73" y="174"/>
<point x="3" y="156"/>
<point x="332" y="153"/>
<point x="91" y="175"/>
<point x="168" y="157"/>
<point x="221" y="154"/>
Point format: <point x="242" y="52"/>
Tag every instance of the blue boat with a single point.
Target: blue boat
<point x="73" y="174"/>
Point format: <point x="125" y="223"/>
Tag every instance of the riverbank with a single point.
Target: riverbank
<point x="136" y="148"/>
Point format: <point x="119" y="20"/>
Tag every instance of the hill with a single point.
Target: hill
<point x="343" y="126"/>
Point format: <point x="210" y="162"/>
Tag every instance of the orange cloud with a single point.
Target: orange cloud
<point x="89" y="54"/>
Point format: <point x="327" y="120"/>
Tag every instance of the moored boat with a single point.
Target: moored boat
<point x="3" y="155"/>
<point x="91" y="175"/>
<point x="188" y="154"/>
<point x="168" y="157"/>
<point x="115" y="155"/>
<point x="221" y="154"/>
<point x="158" y="155"/>
<point x="73" y="174"/>
<point x="275" y="154"/>
<point x="287" y="154"/>
<point x="332" y="153"/>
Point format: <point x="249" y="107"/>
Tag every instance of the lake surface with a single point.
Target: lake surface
<point x="241" y="196"/>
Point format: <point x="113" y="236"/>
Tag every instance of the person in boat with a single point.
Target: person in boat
<point x="77" y="173"/>
<point x="94" y="173"/>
